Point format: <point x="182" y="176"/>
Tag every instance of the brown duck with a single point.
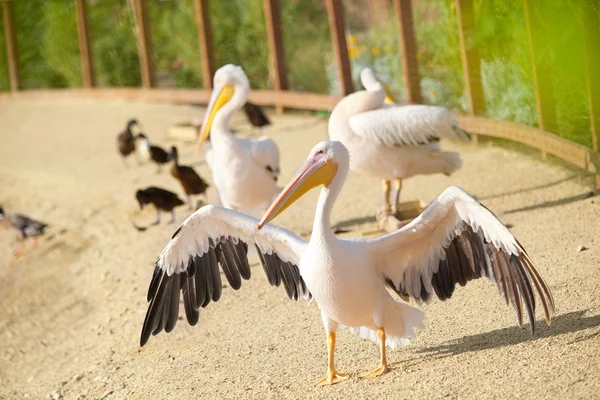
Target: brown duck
<point x="126" y="140"/>
<point x="162" y="199"/>
<point x="256" y="116"/>
<point x="26" y="227"/>
<point x="191" y="182"/>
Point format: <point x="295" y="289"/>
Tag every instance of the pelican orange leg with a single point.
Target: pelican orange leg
<point x="333" y="376"/>
<point x="383" y="368"/>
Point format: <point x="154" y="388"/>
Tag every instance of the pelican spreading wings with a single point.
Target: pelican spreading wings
<point x="393" y="142"/>
<point x="245" y="171"/>
<point x="455" y="240"/>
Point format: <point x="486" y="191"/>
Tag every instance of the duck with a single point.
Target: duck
<point x="26" y="227"/>
<point x="256" y="116"/>
<point x="190" y="181"/>
<point x="162" y="199"/>
<point x="126" y="140"/>
<point x="152" y="152"/>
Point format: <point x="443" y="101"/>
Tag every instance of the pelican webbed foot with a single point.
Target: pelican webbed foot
<point x="382" y="368"/>
<point x="332" y="378"/>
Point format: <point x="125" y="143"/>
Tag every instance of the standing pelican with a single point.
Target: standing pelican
<point x="455" y="240"/>
<point x="393" y="142"/>
<point x="245" y="171"/>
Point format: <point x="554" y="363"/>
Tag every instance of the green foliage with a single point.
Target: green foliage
<point x="114" y="45"/>
<point x="239" y="35"/>
<point x="49" y="55"/>
<point x="307" y="44"/>
<point x="35" y="69"/>
<point x="4" y="78"/>
<point x="176" y="50"/>
<point x="60" y="48"/>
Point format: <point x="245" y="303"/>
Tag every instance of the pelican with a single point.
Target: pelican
<point x="393" y="142"/>
<point x="245" y="171"/>
<point x="454" y="240"/>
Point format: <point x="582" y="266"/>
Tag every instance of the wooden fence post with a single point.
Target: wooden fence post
<point x="276" y="52"/>
<point x="542" y="73"/>
<point x="590" y="26"/>
<point x="408" y="49"/>
<point x="205" y="41"/>
<point x="144" y="39"/>
<point x="11" y="46"/>
<point x="470" y="59"/>
<point x="85" y="53"/>
<point x="337" y="27"/>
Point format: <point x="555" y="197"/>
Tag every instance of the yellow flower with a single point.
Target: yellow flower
<point x="351" y="39"/>
<point x="388" y="48"/>
<point x="432" y="93"/>
<point x="352" y="53"/>
<point x="375" y="50"/>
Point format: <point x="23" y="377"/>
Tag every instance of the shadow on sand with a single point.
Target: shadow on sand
<point x="529" y="189"/>
<point x="565" y="323"/>
<point x="553" y="203"/>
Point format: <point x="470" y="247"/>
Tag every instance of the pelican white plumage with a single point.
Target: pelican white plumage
<point x="455" y="240"/>
<point x="244" y="171"/>
<point x="393" y="142"/>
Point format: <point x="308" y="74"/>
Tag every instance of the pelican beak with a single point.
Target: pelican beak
<point x="220" y="96"/>
<point x="389" y="97"/>
<point x="317" y="170"/>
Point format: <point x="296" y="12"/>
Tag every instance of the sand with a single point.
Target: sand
<point x="72" y="310"/>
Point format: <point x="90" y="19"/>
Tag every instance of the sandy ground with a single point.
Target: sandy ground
<point x="72" y="310"/>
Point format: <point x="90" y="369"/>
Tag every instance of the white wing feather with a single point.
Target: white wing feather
<point x="459" y="235"/>
<point x="409" y="125"/>
<point x="214" y="222"/>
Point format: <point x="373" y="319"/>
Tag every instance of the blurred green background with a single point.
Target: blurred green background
<point x="49" y="54"/>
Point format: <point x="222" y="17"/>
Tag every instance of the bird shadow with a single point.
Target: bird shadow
<point x="529" y="189"/>
<point x="353" y="222"/>
<point x="553" y="203"/>
<point x="565" y="323"/>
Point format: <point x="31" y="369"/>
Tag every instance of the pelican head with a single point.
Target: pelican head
<point x="370" y="81"/>
<point x="229" y="80"/>
<point x="320" y="168"/>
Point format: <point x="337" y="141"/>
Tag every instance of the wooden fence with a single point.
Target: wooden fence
<point x="540" y="138"/>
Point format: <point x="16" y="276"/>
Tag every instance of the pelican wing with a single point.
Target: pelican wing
<point x="266" y="154"/>
<point x="456" y="239"/>
<point x="211" y="237"/>
<point x="410" y="125"/>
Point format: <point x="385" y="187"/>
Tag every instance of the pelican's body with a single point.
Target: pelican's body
<point x="455" y="240"/>
<point x="244" y="171"/>
<point x="393" y="142"/>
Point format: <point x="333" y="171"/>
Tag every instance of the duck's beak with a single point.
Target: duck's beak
<point x="317" y="170"/>
<point x="220" y="96"/>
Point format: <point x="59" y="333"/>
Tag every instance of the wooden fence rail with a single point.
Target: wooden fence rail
<point x="540" y="138"/>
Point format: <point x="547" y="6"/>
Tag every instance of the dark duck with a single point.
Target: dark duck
<point x="148" y="151"/>
<point x="126" y="140"/>
<point x="256" y="116"/>
<point x="191" y="182"/>
<point x="26" y="228"/>
<point x="162" y="199"/>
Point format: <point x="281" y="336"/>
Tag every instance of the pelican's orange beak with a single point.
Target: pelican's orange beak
<point x="317" y="170"/>
<point x="389" y="97"/>
<point x="220" y="96"/>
